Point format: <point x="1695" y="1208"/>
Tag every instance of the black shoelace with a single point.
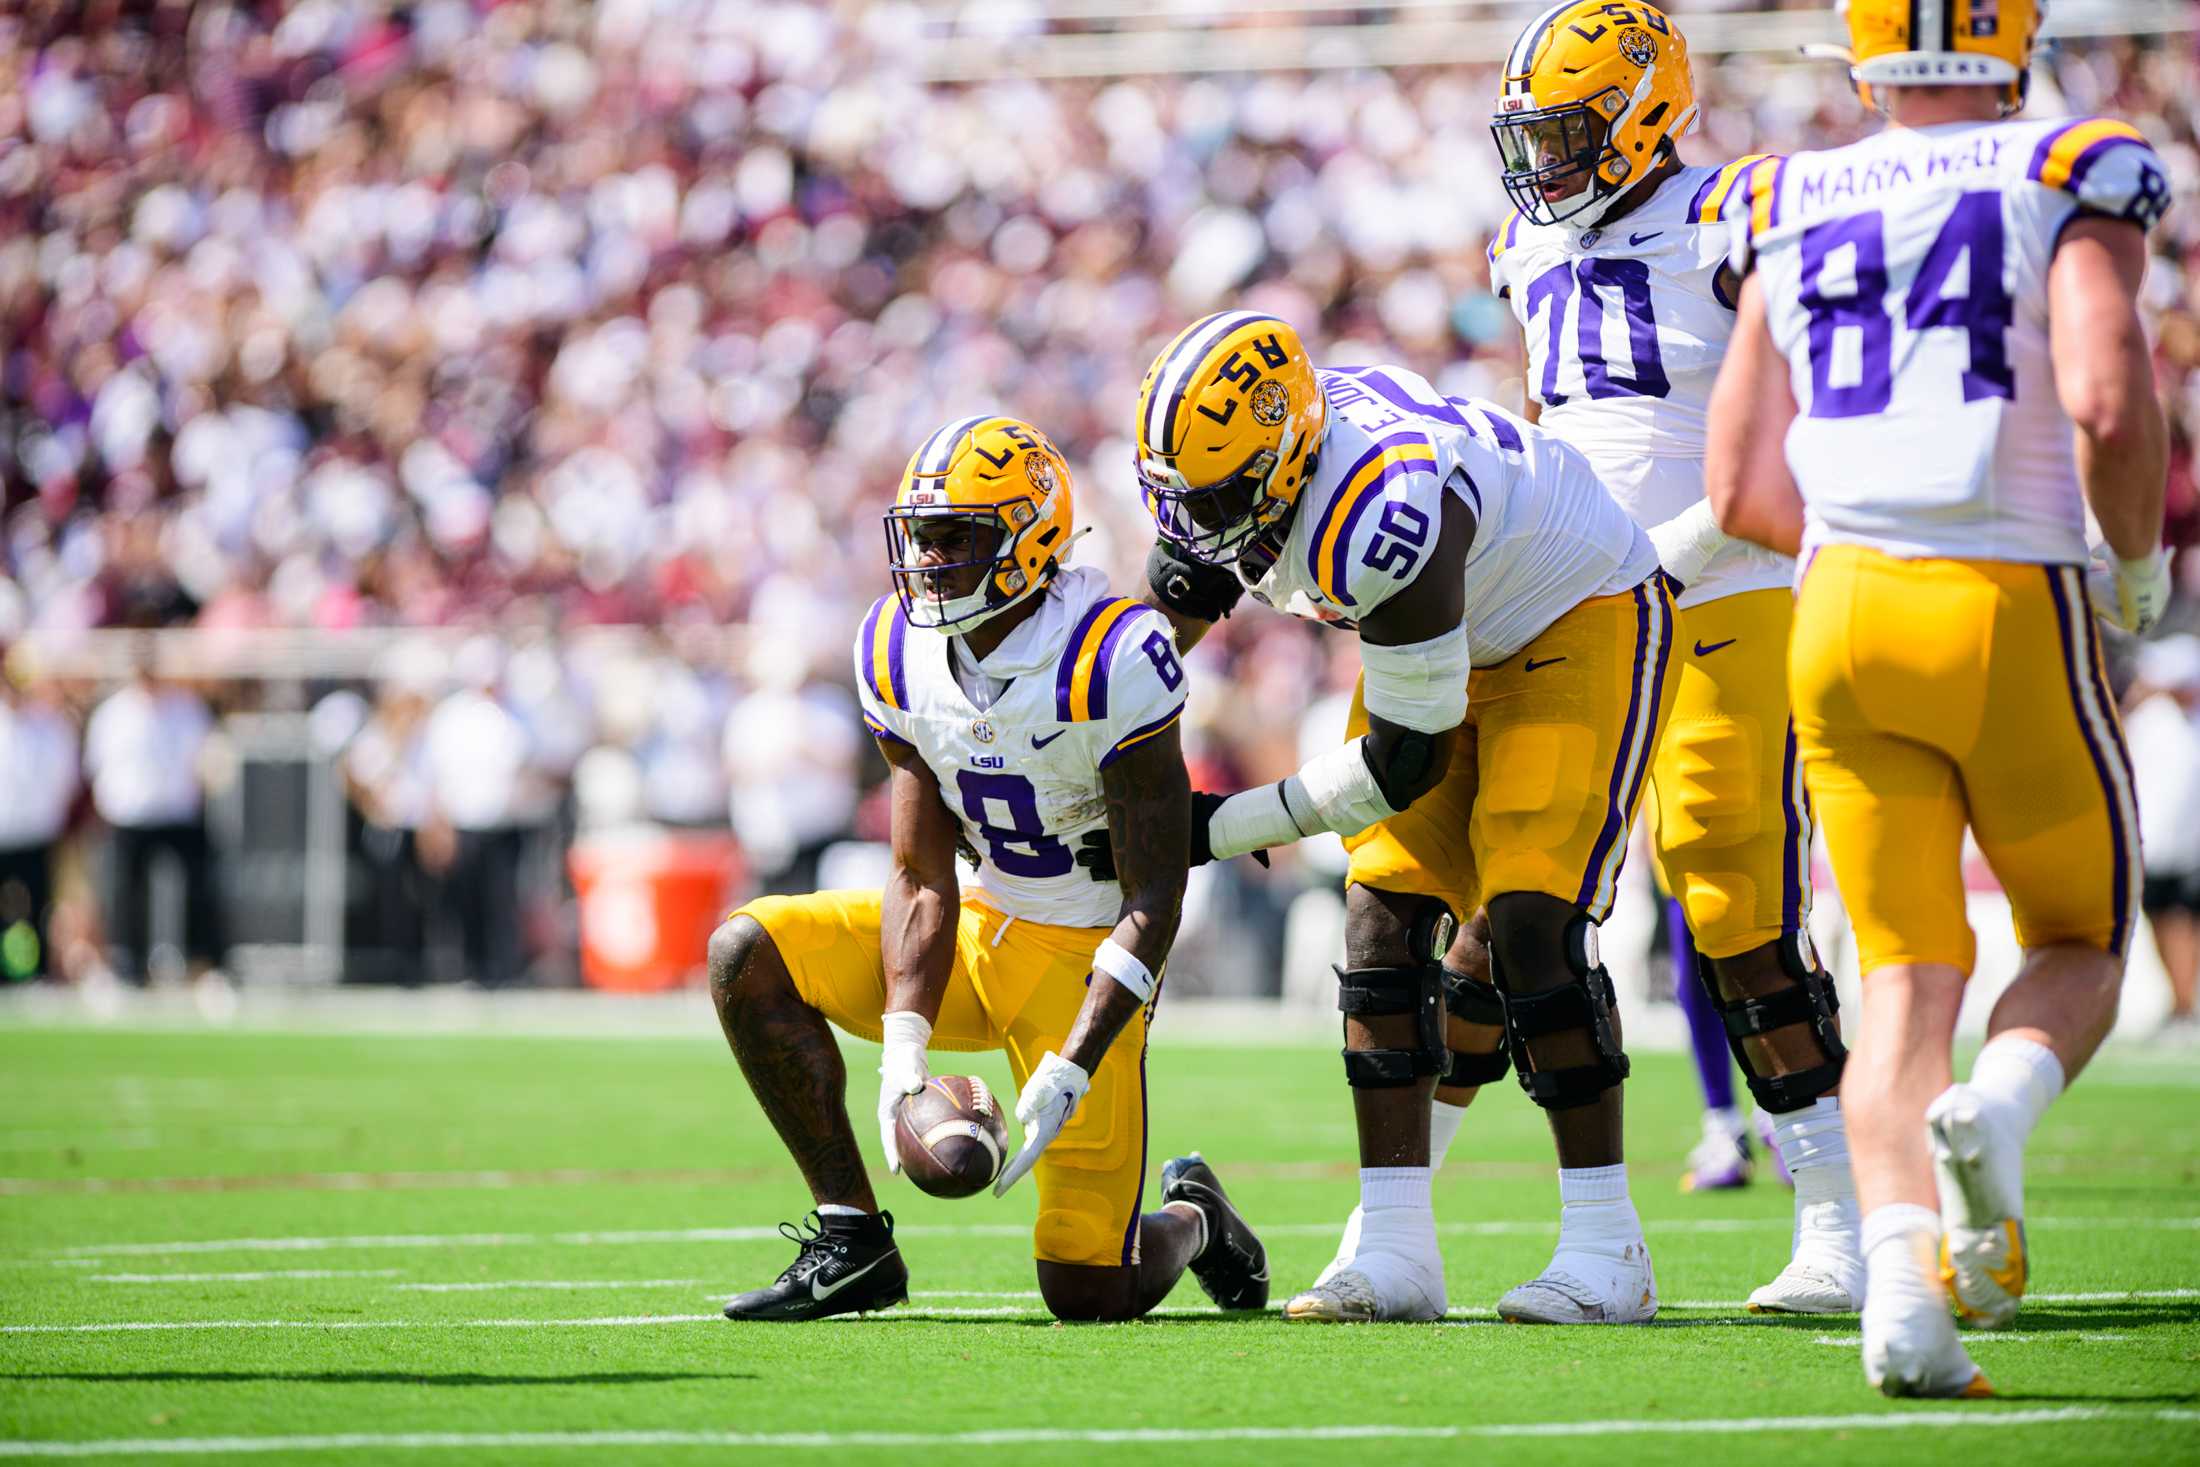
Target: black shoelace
<point x="818" y="1247"/>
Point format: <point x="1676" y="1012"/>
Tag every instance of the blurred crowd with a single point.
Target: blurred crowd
<point x="512" y="319"/>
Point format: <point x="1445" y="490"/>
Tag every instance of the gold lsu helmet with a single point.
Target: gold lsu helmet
<point x="1939" y="43"/>
<point x="1230" y="425"/>
<point x="1594" y="92"/>
<point x="993" y="491"/>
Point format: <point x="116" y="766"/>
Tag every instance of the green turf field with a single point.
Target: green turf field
<point x="443" y="1249"/>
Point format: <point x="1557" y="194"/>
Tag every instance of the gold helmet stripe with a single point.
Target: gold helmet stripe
<point x="939" y="450"/>
<point x="1179" y="365"/>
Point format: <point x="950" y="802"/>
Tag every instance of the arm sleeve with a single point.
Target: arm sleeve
<point x="1146" y="684"/>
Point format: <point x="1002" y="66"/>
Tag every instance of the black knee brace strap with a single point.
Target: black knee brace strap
<point x="1811" y="1000"/>
<point x="1375" y="992"/>
<point x="1585" y="1003"/>
<point x="1476" y="1003"/>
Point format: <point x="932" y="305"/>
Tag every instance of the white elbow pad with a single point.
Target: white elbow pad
<point x="1342" y="789"/>
<point x="1421" y="686"/>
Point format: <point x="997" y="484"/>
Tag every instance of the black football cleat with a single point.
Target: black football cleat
<point x="1234" y="1268"/>
<point x="846" y="1265"/>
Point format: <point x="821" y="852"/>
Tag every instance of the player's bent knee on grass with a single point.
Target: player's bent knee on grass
<point x="1085" y="1294"/>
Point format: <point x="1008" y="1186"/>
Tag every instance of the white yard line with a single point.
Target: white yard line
<point x="486" y="1286"/>
<point x="143" y="1326"/>
<point x="1928" y="1419"/>
<point x="1984" y="1337"/>
<point x="1494" y="1228"/>
<point x="260" y="1276"/>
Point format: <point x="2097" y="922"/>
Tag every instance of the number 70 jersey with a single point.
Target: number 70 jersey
<point x="1905" y="281"/>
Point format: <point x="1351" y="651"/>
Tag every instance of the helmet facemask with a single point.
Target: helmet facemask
<point x="1215" y="523"/>
<point x="955" y="566"/>
<point x="1569" y="144"/>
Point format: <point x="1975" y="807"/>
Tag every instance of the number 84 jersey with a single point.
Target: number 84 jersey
<point x="1905" y="281"/>
<point x="1090" y="676"/>
<point x="1626" y="325"/>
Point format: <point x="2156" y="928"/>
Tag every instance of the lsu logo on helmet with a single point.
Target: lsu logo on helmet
<point x="1230" y="422"/>
<point x="982" y="521"/>
<point x="1594" y="93"/>
<point x="1942" y="43"/>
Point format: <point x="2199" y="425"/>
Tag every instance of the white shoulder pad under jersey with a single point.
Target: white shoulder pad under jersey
<point x="1625" y="326"/>
<point x="1905" y="281"/>
<point x="1098" y="676"/>
<point x="1397" y="454"/>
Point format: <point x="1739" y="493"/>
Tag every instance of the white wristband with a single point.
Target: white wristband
<point x="1121" y="964"/>
<point x="1687" y="542"/>
<point x="905" y="1029"/>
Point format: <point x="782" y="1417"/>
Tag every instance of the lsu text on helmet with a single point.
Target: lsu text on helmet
<point x="982" y="521"/>
<point x="1594" y="93"/>
<point x="1230" y="422"/>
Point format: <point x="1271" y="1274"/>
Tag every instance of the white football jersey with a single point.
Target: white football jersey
<point x="1626" y="327"/>
<point x="1905" y="280"/>
<point x="1093" y="674"/>
<point x="1547" y="537"/>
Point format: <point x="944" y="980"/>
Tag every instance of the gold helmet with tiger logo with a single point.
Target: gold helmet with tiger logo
<point x="1230" y="423"/>
<point x="1595" y="92"/>
<point x="981" y="522"/>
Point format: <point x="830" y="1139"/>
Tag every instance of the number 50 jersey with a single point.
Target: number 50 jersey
<point x="1905" y="280"/>
<point x="1625" y="328"/>
<point x="1090" y="676"/>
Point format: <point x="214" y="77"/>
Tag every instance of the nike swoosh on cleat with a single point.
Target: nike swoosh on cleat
<point x="1531" y="665"/>
<point x="1705" y="649"/>
<point x="822" y="1294"/>
<point x="1636" y="239"/>
<point x="1039" y="743"/>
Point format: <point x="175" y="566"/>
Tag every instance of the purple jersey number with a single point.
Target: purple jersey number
<point x="1022" y="847"/>
<point x="1972" y="232"/>
<point x="1407" y="528"/>
<point x="1591" y="276"/>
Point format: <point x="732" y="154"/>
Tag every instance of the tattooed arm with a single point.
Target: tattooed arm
<point x="1149" y="824"/>
<point x="922" y="899"/>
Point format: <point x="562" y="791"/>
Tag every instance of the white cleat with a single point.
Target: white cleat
<point x="1374" y="1288"/>
<point x="1581" y="1287"/>
<point x="1911" y="1349"/>
<point x="1826" y="1275"/>
<point x="1348" y="1247"/>
<point x="1980" y="1168"/>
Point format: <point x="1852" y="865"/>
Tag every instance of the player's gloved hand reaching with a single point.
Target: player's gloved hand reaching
<point x="1097" y="855"/>
<point x="2130" y="594"/>
<point x="1051" y="1096"/>
<point x="901" y="1071"/>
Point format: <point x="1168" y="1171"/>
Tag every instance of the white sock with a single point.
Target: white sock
<point x="1443" y="1128"/>
<point x="1394" y="1188"/>
<point x="1814" y="1145"/>
<point x="2019" y="1076"/>
<point x="1727" y="1118"/>
<point x="1595" y="1210"/>
<point x="1902" y="1256"/>
<point x="839" y="1209"/>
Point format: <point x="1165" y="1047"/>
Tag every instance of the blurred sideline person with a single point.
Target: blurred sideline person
<point x="1516" y="640"/>
<point x="1024" y="710"/>
<point x="1594" y="99"/>
<point x="1940" y="323"/>
<point x="144" y="751"/>
<point x="476" y="756"/>
<point x="2162" y="725"/>
<point x="38" y="785"/>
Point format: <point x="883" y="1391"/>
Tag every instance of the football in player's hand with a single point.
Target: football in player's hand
<point x="951" y="1135"/>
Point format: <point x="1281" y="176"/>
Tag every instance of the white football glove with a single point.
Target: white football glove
<point x="1687" y="542"/>
<point x="901" y="1071"/>
<point x="2130" y="594"/>
<point x="1051" y="1096"/>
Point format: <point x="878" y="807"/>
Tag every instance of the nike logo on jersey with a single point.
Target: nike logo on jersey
<point x="1637" y="239"/>
<point x="820" y="1293"/>
<point x="1039" y="743"/>
<point x="1705" y="649"/>
<point x="1531" y="664"/>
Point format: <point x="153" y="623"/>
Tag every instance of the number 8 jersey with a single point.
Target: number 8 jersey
<point x="1089" y="676"/>
<point x="1905" y="281"/>
<point x="1626" y="327"/>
